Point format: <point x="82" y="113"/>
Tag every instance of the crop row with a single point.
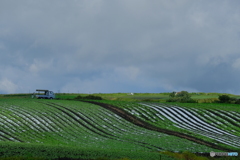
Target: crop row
<point x="130" y="131"/>
<point x="203" y="122"/>
<point x="97" y="127"/>
<point x="184" y="118"/>
<point x="217" y="126"/>
<point x="81" y="124"/>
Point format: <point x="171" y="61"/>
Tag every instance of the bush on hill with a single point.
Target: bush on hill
<point x="224" y="99"/>
<point x="237" y="101"/>
<point x="182" y="96"/>
<point x="227" y="99"/>
<point x="92" y="97"/>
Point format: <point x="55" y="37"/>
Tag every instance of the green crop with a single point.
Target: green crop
<point x="62" y="128"/>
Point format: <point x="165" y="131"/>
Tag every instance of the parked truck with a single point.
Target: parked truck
<point x="45" y="95"/>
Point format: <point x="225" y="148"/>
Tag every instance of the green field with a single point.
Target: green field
<point x="157" y="97"/>
<point x="183" y="113"/>
<point x="92" y="131"/>
<point x="119" y="127"/>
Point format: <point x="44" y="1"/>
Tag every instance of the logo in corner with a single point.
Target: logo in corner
<point x="212" y="154"/>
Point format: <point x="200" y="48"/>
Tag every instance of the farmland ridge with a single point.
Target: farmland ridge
<point x="135" y="120"/>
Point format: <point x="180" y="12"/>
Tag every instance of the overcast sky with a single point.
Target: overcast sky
<point x="109" y="46"/>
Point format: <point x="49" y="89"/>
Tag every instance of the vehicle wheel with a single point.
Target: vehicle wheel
<point x="50" y="98"/>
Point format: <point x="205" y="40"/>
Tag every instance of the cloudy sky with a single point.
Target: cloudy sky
<point x="108" y="46"/>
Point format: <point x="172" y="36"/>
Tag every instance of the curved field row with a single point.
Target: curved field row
<point x="26" y="125"/>
<point x="80" y="124"/>
<point x="231" y="118"/>
<point x="218" y="127"/>
<point x="138" y="136"/>
<point x="192" y="121"/>
<point x="93" y="126"/>
<point x="189" y="119"/>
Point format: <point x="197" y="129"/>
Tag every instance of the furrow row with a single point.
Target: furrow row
<point x="69" y="119"/>
<point x="57" y="124"/>
<point x="189" y="118"/>
<point x="99" y="130"/>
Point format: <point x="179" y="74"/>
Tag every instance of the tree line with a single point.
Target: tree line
<point x="185" y="97"/>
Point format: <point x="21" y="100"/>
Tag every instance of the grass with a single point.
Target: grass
<point x="37" y="109"/>
<point x="157" y="97"/>
<point x="154" y="97"/>
<point x="47" y="151"/>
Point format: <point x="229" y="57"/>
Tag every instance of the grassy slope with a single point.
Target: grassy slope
<point x="162" y="97"/>
<point x="58" y="142"/>
<point x="166" y="125"/>
<point x="126" y="97"/>
<point x="139" y="97"/>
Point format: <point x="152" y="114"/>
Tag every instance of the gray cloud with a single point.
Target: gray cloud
<point x="119" y="46"/>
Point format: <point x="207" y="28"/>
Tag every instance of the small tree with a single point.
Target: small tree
<point x="93" y="97"/>
<point x="88" y="97"/>
<point x="172" y="95"/>
<point x="224" y="99"/>
<point x="237" y="101"/>
<point x="183" y="96"/>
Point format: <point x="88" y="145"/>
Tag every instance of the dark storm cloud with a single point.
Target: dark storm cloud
<point x="119" y="46"/>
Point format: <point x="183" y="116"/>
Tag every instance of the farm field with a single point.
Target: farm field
<point x="127" y="96"/>
<point x="215" y="123"/>
<point x="91" y="130"/>
<point x="76" y="129"/>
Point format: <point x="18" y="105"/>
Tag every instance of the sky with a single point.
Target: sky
<point x="112" y="46"/>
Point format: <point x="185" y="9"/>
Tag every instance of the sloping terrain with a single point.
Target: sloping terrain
<point x="82" y="125"/>
<point x="202" y="122"/>
<point x="216" y="128"/>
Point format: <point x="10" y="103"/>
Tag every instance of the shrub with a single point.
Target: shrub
<point x="78" y="97"/>
<point x="93" y="97"/>
<point x="173" y="99"/>
<point x="189" y="101"/>
<point x="237" y="101"/>
<point x="183" y="97"/>
<point x="172" y="95"/>
<point x="224" y="99"/>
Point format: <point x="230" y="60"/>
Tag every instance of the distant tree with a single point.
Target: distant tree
<point x="182" y="96"/>
<point x="88" y="97"/>
<point x="224" y="99"/>
<point x="237" y="101"/>
<point x="78" y="97"/>
<point x="173" y="99"/>
<point x="93" y="97"/>
<point x="172" y="94"/>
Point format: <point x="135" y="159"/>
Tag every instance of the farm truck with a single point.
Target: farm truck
<point x="46" y="95"/>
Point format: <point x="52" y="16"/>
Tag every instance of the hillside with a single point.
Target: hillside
<point x="114" y="129"/>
